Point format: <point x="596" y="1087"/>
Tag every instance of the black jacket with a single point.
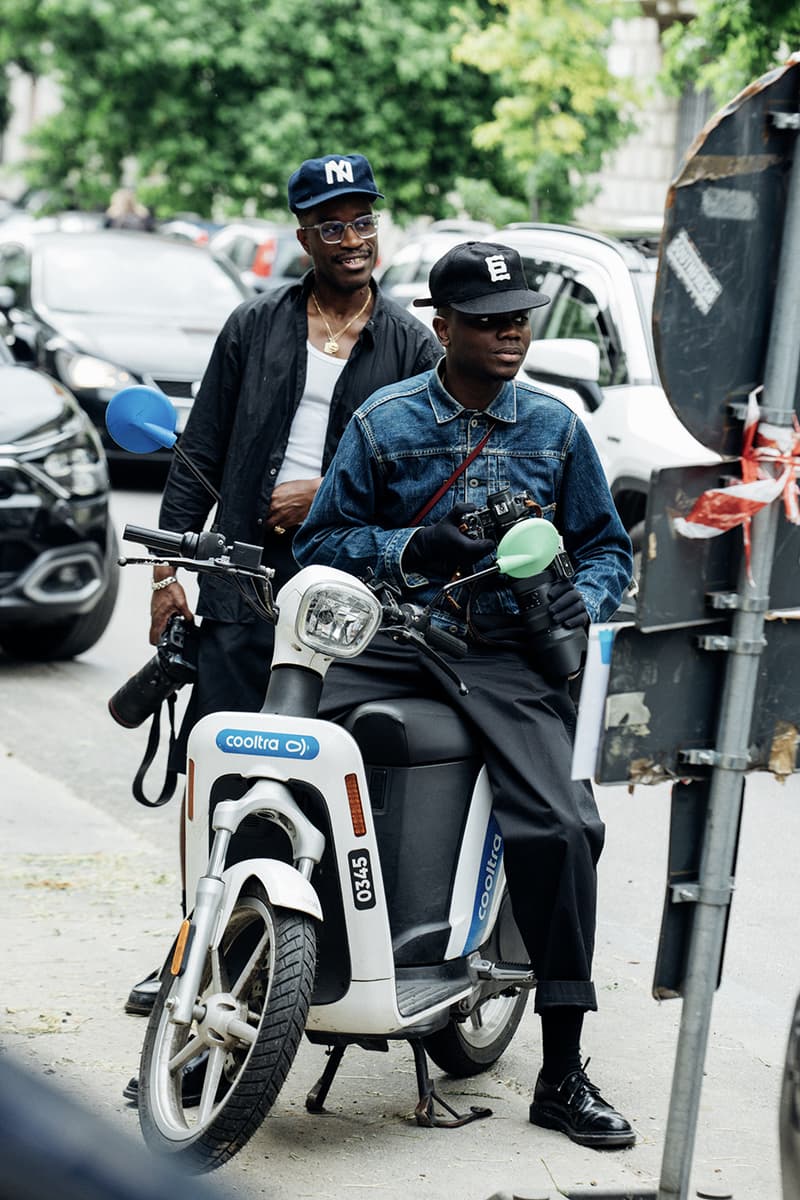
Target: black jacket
<point x="238" y="428"/>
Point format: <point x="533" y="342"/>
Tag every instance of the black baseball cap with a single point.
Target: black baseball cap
<point x="479" y="278"/>
<point x="320" y="179"/>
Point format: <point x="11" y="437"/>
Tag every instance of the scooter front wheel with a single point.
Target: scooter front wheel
<point x="204" y="1089"/>
<point x="466" y="1047"/>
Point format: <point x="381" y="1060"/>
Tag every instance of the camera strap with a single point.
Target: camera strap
<point x="171" y="777"/>
<point x="436" y="497"/>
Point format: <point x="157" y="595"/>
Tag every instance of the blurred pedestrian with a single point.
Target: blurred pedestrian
<point x="126" y="212"/>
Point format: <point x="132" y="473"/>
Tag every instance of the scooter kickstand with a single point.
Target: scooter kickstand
<point x="315" y="1100"/>
<point x="428" y="1097"/>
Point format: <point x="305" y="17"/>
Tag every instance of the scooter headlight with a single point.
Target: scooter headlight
<point x="337" y="620"/>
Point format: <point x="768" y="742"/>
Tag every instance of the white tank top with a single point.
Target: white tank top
<point x="303" y="458"/>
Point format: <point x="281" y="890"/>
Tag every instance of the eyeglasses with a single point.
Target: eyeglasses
<point x="333" y="232"/>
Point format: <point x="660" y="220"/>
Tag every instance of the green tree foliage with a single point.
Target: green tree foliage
<point x="729" y="43"/>
<point x="211" y="103"/>
<point x="218" y="100"/>
<point x="561" y="109"/>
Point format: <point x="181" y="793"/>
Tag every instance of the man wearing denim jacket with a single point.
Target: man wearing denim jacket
<point x="401" y="445"/>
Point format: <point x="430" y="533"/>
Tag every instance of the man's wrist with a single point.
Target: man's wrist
<point x="162" y="572"/>
<point x="163" y="583"/>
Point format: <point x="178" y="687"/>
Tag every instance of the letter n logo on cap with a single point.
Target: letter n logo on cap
<point x="339" y="172"/>
<point x="497" y="268"/>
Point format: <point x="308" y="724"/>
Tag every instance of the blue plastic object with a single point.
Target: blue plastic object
<point x="142" y="419"/>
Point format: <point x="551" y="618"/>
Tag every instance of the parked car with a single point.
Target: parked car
<point x="101" y="310"/>
<point x="58" y="553"/>
<point x="405" y="275"/>
<point x="593" y="348"/>
<point x="188" y="226"/>
<point x="265" y="254"/>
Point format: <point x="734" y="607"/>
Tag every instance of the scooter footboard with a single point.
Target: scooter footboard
<point x="285" y="888"/>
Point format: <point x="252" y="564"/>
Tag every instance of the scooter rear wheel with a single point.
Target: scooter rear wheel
<point x="251" y="1012"/>
<point x="468" y="1047"/>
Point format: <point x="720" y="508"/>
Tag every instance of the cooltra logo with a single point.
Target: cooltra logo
<point x="339" y="172"/>
<point x="498" y="268"/>
<point x="273" y="745"/>
<point x="489" y="876"/>
<point x="491" y="858"/>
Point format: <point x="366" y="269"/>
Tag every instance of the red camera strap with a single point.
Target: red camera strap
<point x="436" y="497"/>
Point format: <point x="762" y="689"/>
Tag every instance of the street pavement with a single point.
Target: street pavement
<point x="89" y="903"/>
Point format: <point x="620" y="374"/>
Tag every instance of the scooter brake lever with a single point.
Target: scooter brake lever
<point x="401" y="634"/>
<point x="208" y="566"/>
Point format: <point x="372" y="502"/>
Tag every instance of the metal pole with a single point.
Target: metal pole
<point x="736" y="709"/>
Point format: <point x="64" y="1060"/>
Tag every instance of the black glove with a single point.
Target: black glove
<point x="565" y="605"/>
<point x="439" y="550"/>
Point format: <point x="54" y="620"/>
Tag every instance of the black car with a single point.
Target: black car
<point x="104" y="309"/>
<point x="58" y="553"/>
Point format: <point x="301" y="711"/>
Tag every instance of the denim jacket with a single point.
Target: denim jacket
<point x="408" y="438"/>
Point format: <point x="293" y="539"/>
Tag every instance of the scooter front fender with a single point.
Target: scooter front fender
<point x="285" y="888"/>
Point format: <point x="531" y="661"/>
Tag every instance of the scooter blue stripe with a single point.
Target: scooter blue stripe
<point x="491" y="860"/>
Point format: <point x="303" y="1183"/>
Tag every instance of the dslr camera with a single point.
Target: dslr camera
<point x="557" y="651"/>
<point x="173" y="664"/>
<point x="501" y="512"/>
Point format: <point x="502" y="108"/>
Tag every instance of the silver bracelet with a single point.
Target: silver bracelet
<point x="162" y="583"/>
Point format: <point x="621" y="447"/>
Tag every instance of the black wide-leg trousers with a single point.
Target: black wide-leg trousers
<point x="551" y="828"/>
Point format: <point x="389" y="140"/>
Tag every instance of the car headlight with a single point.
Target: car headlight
<point x="78" y="469"/>
<point x="74" y="457"/>
<point x="336" y="619"/>
<point x="83" y="373"/>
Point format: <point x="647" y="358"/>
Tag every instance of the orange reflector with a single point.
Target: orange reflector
<point x="180" y="948"/>
<point x="190" y="790"/>
<point x="354" y="800"/>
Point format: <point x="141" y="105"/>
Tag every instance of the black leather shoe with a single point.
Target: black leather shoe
<point x="194" y="1074"/>
<point x="576" y="1108"/>
<point x="143" y="995"/>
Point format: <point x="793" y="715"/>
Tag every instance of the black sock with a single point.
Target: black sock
<point x="561" y="1042"/>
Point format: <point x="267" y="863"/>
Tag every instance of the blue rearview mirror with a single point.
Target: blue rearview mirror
<point x="142" y="419"/>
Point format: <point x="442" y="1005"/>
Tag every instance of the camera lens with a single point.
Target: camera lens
<point x="173" y="665"/>
<point x="140" y="696"/>
<point x="557" y="651"/>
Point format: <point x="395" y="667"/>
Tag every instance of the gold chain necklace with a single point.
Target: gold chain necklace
<point x="332" y="346"/>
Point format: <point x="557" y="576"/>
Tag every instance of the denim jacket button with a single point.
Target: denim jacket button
<point x="473" y="483"/>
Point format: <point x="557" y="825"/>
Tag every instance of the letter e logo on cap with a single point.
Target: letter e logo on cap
<point x="497" y="268"/>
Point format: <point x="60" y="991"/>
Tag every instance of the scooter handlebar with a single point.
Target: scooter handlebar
<point x="178" y="545"/>
<point x="157" y="541"/>
<point x="440" y="639"/>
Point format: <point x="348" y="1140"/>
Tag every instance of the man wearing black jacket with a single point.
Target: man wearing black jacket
<point x="287" y="371"/>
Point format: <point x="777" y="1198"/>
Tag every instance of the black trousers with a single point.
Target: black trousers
<point x="551" y="827"/>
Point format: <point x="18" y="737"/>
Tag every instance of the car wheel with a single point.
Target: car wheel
<point x="68" y="638"/>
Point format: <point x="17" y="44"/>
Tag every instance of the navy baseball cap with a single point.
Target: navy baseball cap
<point x="480" y="278"/>
<point x="320" y="179"/>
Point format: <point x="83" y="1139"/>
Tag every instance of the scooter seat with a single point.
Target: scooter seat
<point x="409" y="732"/>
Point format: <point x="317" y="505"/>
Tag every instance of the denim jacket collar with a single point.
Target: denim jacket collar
<point x="446" y="407"/>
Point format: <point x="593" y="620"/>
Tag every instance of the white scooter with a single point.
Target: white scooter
<point x="348" y="879"/>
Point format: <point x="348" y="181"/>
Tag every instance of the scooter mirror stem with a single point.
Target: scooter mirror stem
<point x="198" y="474"/>
<point x="454" y="583"/>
